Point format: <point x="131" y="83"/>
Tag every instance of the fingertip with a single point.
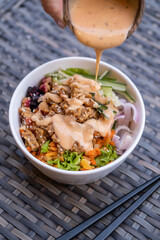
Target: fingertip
<point x="60" y="24"/>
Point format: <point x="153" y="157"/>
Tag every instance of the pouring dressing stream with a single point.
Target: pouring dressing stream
<point x="102" y="24"/>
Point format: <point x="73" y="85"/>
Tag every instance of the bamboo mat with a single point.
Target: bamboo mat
<point x="33" y="206"/>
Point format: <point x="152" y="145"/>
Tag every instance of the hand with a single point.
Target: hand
<point x="55" y="9"/>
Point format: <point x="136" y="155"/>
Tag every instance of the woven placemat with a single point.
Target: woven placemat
<point x="33" y="206"/>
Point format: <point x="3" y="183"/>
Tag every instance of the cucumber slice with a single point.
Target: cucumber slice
<point x="72" y="71"/>
<point x="107" y="91"/>
<point x="115" y="85"/>
<point x="78" y="70"/>
<point x="108" y="79"/>
<point x="103" y="75"/>
<point x="126" y="95"/>
<point x="111" y="95"/>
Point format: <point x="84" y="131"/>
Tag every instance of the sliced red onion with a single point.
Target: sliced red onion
<point x="116" y="139"/>
<point x="122" y="127"/>
<point x="126" y="116"/>
<point x="123" y="101"/>
<point x="135" y="112"/>
<point x="120" y="116"/>
<point x="119" y="152"/>
<point x="127" y="111"/>
<point x="125" y="141"/>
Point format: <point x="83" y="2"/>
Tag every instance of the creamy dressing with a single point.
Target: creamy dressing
<point x="74" y="103"/>
<point x="54" y="97"/>
<point x="87" y="85"/>
<point x="69" y="131"/>
<point x="98" y="58"/>
<point x="102" y="24"/>
<point x="37" y="117"/>
<point x="65" y="126"/>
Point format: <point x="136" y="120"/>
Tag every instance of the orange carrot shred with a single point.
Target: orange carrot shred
<point x="112" y="133"/>
<point x="112" y="143"/>
<point x="29" y="149"/>
<point x="94" y="153"/>
<point x="93" y="162"/>
<point x="21" y="131"/>
<point x="52" y="144"/>
<point x="33" y="153"/>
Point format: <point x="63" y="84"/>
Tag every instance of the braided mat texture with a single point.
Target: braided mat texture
<point x="33" y="206"/>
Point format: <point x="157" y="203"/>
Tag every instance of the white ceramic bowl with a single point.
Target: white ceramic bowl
<point x="33" y="78"/>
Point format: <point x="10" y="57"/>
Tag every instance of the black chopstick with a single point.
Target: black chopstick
<point x="82" y="226"/>
<point x="108" y="230"/>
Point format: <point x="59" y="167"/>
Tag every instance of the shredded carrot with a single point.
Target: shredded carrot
<point x="106" y="140"/>
<point x="42" y="160"/>
<point x="33" y="153"/>
<point x="21" y="131"/>
<point x="112" y="143"/>
<point x="29" y="149"/>
<point x="93" y="162"/>
<point x="96" y="134"/>
<point x="94" y="153"/>
<point x="40" y="156"/>
<point x="112" y="133"/>
<point x="50" y="154"/>
<point x="52" y="144"/>
<point x="53" y="149"/>
<point x="61" y="158"/>
<point x="100" y="142"/>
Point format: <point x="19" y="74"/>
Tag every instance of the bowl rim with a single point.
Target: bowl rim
<point x="87" y="172"/>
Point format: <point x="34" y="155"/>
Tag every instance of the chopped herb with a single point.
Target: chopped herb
<point x="102" y="106"/>
<point x="100" y="111"/>
<point x="114" y="125"/>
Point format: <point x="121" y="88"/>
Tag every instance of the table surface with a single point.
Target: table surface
<point x="33" y="206"/>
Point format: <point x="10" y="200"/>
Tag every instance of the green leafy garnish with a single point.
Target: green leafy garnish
<point x="106" y="156"/>
<point x="50" y="162"/>
<point x="44" y="148"/>
<point x="71" y="161"/>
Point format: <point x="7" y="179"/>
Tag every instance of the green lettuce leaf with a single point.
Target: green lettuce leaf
<point x="71" y="161"/>
<point x="45" y="146"/>
<point x="106" y="156"/>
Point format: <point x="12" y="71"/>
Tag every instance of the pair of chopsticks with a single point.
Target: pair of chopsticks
<point x="149" y="188"/>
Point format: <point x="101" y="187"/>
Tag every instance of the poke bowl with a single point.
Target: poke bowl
<point x="73" y="129"/>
